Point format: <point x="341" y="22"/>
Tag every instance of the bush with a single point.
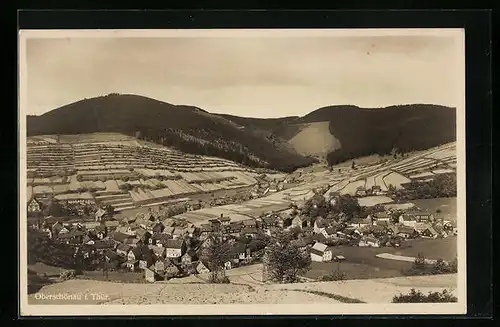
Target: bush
<point x="418" y="297"/>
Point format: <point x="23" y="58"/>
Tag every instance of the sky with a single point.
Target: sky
<point x="245" y="76"/>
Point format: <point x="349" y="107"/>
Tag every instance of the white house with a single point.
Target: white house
<point x="174" y="248"/>
<point x="368" y="241"/>
<point x="321" y="252"/>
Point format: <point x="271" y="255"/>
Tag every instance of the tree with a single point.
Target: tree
<point x="348" y="205"/>
<point x="55" y="209"/>
<point x="284" y="261"/>
<point x="216" y="253"/>
<point x="418" y="297"/>
<point x="353" y="165"/>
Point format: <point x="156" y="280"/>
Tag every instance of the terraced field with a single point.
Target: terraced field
<point x="104" y="164"/>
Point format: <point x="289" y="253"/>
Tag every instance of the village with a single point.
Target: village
<point x="164" y="247"/>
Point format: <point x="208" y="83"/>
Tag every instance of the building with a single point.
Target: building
<point x="406" y="232"/>
<point x="368" y="241"/>
<point x="202" y="267"/>
<point x="175" y="248"/>
<point x="34" y="206"/>
<point x="360" y="191"/>
<point x="321" y="252"/>
<point x="417" y="215"/>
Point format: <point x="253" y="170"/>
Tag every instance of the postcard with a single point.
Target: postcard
<point x="242" y="172"/>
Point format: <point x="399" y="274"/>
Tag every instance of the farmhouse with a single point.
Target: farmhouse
<point x="407" y="220"/>
<point x="321" y="252"/>
<point x="158" y="251"/>
<point x="380" y="216"/>
<point x="123" y="249"/>
<point x="429" y="232"/>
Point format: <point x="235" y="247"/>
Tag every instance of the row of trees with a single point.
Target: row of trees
<point x="344" y="204"/>
<point x="441" y="186"/>
<point x="421" y="267"/>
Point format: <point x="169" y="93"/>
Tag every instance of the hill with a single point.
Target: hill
<point x="363" y="131"/>
<point x="279" y="143"/>
<point x="187" y="128"/>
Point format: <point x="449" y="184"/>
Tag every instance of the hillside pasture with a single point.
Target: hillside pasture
<point x="396" y="180"/>
<point x="370" y="201"/>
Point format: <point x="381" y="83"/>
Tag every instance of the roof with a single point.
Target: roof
<point x="118" y="236"/>
<point x="320" y="246"/>
<point x="179" y="231"/>
<point x="381" y="215"/>
<point x="317" y="252"/>
<point x="206" y="228"/>
<point x="174" y="244"/>
<point x="406" y="229"/>
<point x="383" y="223"/>
<point x="111" y="223"/>
<point x="249" y="230"/>
<point x="249" y="222"/>
<point x="330" y="230"/>
<point x="225" y="218"/>
<point x="169" y="230"/>
<point x="141" y="232"/>
<point x="124" y="247"/>
<point x="111" y="254"/>
<point x="158" y="250"/>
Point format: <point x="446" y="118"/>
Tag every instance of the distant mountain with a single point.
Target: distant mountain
<point x="337" y="133"/>
<point x="187" y="128"/>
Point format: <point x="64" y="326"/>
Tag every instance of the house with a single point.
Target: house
<point x="175" y="248"/>
<point x="319" y="238"/>
<point x="191" y="231"/>
<point x="249" y="232"/>
<point x="158" y="251"/>
<point x="189" y="257"/>
<point x="406" y="232"/>
<point x="228" y="265"/>
<point x="270" y="221"/>
<point x="250" y="223"/>
<point x="159" y="239"/>
<point x="150" y="275"/>
<point x="161" y="265"/>
<point x="329" y="232"/>
<point x="417" y="215"/>
<point x="321" y="252"/>
<point x="202" y="267"/>
<point x="133" y="242"/>
<point x="235" y="228"/>
<point x="100" y="232"/>
<point x="360" y="191"/>
<point x="320" y="224"/>
<point x="380" y="217"/>
<point x="205" y="230"/>
<point x="368" y="241"/>
<point x="123" y="249"/>
<point x="301" y="221"/>
<point x="224" y="220"/>
<point x="110" y="255"/>
<point x="99" y="214"/>
<point x="238" y="251"/>
<point x="179" y="233"/>
<point x="360" y="222"/>
<point x="158" y="228"/>
<point x="407" y="220"/>
<point x="111" y="225"/>
<point x="429" y="232"/>
<point x="215" y="224"/>
<point x="169" y="230"/>
<point x="439" y="228"/>
<point x="143" y="235"/>
<point x="382" y="223"/>
<point x="132" y="265"/>
<point x="376" y="189"/>
<point x="34" y="206"/>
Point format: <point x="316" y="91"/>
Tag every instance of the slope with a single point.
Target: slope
<point x="190" y="129"/>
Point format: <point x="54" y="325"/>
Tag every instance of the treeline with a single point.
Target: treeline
<point x="43" y="249"/>
<point x="442" y="186"/>
<point x="210" y="142"/>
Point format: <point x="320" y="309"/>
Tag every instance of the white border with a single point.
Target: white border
<point x="241" y="309"/>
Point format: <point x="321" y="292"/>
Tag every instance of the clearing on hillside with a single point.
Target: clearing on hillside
<point x="315" y="139"/>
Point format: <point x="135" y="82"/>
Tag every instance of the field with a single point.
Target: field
<point x="197" y="292"/>
<point x="104" y="162"/>
<point x="362" y="262"/>
<point x="371" y="201"/>
<point x="315" y="139"/>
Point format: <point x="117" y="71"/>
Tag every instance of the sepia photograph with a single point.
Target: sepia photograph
<point x="239" y="171"/>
